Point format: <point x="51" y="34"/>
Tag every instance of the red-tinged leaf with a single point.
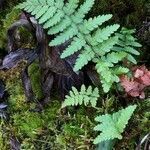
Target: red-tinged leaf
<point x="138" y="73"/>
<point x="136" y="85"/>
<point x="128" y="84"/>
<point x="145" y="80"/>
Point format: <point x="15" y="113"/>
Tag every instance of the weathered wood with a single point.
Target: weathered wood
<point x="54" y="70"/>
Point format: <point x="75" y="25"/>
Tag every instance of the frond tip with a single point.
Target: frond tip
<point x="84" y="96"/>
<point x="111" y="126"/>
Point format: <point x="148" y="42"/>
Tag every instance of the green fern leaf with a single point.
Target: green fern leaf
<point x="29" y="6"/>
<point x="106" y="85"/>
<point x="101" y="65"/>
<point x="75" y="46"/>
<point x="31" y="9"/>
<point x="83" y="96"/>
<point x="86" y="55"/>
<point x="82" y="11"/>
<point x="115" y="57"/>
<point x="36" y="10"/>
<point x="131" y="50"/>
<point x="61" y="26"/>
<point x="50" y="2"/>
<point x="54" y="20"/>
<point x="41" y="2"/>
<point x="130" y="58"/>
<point x="22" y="5"/>
<point x="103" y="46"/>
<point x="105" y="33"/>
<point x="50" y="13"/>
<point x="70" y="7"/>
<point x="95" y="95"/>
<point x="135" y="44"/>
<point x="41" y="11"/>
<point x="115" y="124"/>
<point x="65" y="36"/>
<point x="59" y="4"/>
<point x="103" y="68"/>
<point x="93" y="23"/>
<point x="106" y="46"/>
<point x="120" y="70"/>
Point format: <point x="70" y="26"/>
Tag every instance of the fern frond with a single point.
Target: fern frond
<point x="120" y="70"/>
<point x="101" y="65"/>
<point x="131" y="50"/>
<point x="106" y="85"/>
<point x="115" y="57"/>
<point x="103" y="46"/>
<point x="65" y="36"/>
<point x="21" y="5"/>
<point x="86" y="56"/>
<point x="36" y="10"/>
<point x="93" y="23"/>
<point x="75" y="46"/>
<point x="50" y="2"/>
<point x="106" y="76"/>
<point x="41" y="2"/>
<point x="50" y="13"/>
<point x="106" y="46"/>
<point x="61" y="26"/>
<point x="24" y="5"/>
<point x="59" y="4"/>
<point x="41" y="12"/>
<point x="130" y="58"/>
<point x="105" y="33"/>
<point x="135" y="44"/>
<point x="84" y="96"/>
<point x="54" y="20"/>
<point x="108" y="72"/>
<point x="71" y="6"/>
<point x="82" y="11"/>
<point x="29" y="7"/>
<point x="115" y="124"/>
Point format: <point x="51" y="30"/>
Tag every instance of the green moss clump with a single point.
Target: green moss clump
<point x="6" y="23"/>
<point x="52" y="129"/>
<point x="4" y="141"/>
<point x="27" y="145"/>
<point x="35" y="76"/>
<point x="29" y="124"/>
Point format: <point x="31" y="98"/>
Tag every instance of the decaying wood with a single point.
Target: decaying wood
<point x="55" y="71"/>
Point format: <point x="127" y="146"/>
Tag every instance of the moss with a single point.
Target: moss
<point x="27" y="145"/>
<point x="35" y="75"/>
<point x="6" y="23"/>
<point x="52" y="129"/>
<point x="29" y="124"/>
<point x="4" y="143"/>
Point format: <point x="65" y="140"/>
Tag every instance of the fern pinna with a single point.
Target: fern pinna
<point x="85" y="96"/>
<point x="95" y="42"/>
